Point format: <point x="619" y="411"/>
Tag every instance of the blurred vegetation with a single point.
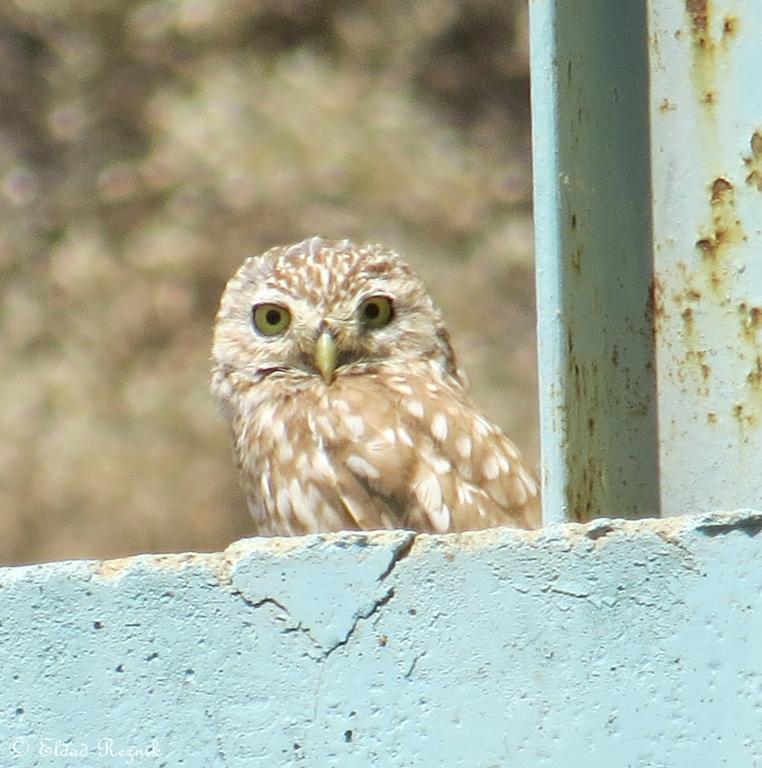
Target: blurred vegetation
<point x="146" y="148"/>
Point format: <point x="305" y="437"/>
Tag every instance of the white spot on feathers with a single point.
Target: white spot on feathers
<point x="429" y="494"/>
<point x="439" y="427"/>
<point x="360" y="466"/>
<point x="404" y="436"/>
<point x="490" y="467"/>
<point x="464" y="446"/>
<point x="528" y="481"/>
<point x="323" y="423"/>
<point x="439" y="465"/>
<point x="440" y="520"/>
<point x="304" y="501"/>
<point x="340" y="405"/>
<point x="284" y="451"/>
<point x="322" y="468"/>
<point x="355" y="425"/>
<point x="313" y="246"/>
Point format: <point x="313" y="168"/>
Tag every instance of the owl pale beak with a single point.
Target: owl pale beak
<point x="325" y="356"/>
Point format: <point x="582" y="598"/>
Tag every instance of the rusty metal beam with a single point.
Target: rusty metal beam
<point x="594" y="264"/>
<point x="706" y="135"/>
<point x="648" y="198"/>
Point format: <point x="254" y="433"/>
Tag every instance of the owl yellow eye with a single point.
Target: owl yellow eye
<point x="376" y="312"/>
<point x="271" y="319"/>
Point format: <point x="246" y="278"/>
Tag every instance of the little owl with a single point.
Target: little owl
<point x="347" y="408"/>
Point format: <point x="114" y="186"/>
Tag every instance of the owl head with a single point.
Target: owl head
<point x="320" y="309"/>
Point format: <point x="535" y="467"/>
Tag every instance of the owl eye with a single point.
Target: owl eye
<point x="376" y="312"/>
<point x="270" y="319"/>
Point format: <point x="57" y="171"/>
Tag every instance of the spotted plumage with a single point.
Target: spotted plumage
<point x="336" y="372"/>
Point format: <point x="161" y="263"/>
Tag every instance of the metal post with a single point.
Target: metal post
<point x="706" y="134"/>
<point x="593" y="235"/>
<point x="649" y="249"/>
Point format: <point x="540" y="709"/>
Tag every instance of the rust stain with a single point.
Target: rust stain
<point x="754" y="161"/>
<point x="695" y="360"/>
<point x="729" y="27"/>
<point x="725" y="228"/>
<point x="698" y="10"/>
<point x="655" y="301"/>
<point x="711" y="417"/>
<point x="666" y="106"/>
<point x="576" y="260"/>
<point x="689" y="294"/>
<point x="584" y="486"/>
<point x="687" y="315"/>
<point x="582" y="496"/>
<point x="709" y="41"/>
<point x="751" y="325"/>
<point x="751" y="321"/>
<point x="741" y="415"/>
<point x="654" y="39"/>
<point x="754" y="377"/>
<point x="721" y="188"/>
<point x="707" y="245"/>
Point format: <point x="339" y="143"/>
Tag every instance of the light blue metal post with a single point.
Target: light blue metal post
<point x="648" y="198"/>
<point x="593" y="235"/>
<point x="706" y="133"/>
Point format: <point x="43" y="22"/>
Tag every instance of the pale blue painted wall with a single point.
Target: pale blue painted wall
<point x="613" y="644"/>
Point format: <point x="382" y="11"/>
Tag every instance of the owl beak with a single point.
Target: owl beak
<point x="325" y="356"/>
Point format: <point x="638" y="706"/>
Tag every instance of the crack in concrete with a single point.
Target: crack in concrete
<point x="297" y="628"/>
<point x="259" y="603"/>
<point x="750" y="525"/>
<point x="413" y="665"/>
<point x="398" y="554"/>
<point x="569" y="593"/>
<point x="374" y="609"/>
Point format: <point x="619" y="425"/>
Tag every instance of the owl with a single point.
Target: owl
<point x="347" y="408"/>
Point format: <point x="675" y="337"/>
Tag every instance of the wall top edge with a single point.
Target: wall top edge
<point x="401" y="543"/>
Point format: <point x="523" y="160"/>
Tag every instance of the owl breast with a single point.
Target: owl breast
<point x="377" y="448"/>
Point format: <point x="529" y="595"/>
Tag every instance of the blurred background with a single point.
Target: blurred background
<point x="147" y="148"/>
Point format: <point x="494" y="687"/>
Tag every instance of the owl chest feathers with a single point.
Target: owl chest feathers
<point x="380" y="449"/>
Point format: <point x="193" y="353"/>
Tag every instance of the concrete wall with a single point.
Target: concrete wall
<point x="610" y="644"/>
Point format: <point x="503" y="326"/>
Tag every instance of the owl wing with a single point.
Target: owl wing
<point x="411" y="451"/>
